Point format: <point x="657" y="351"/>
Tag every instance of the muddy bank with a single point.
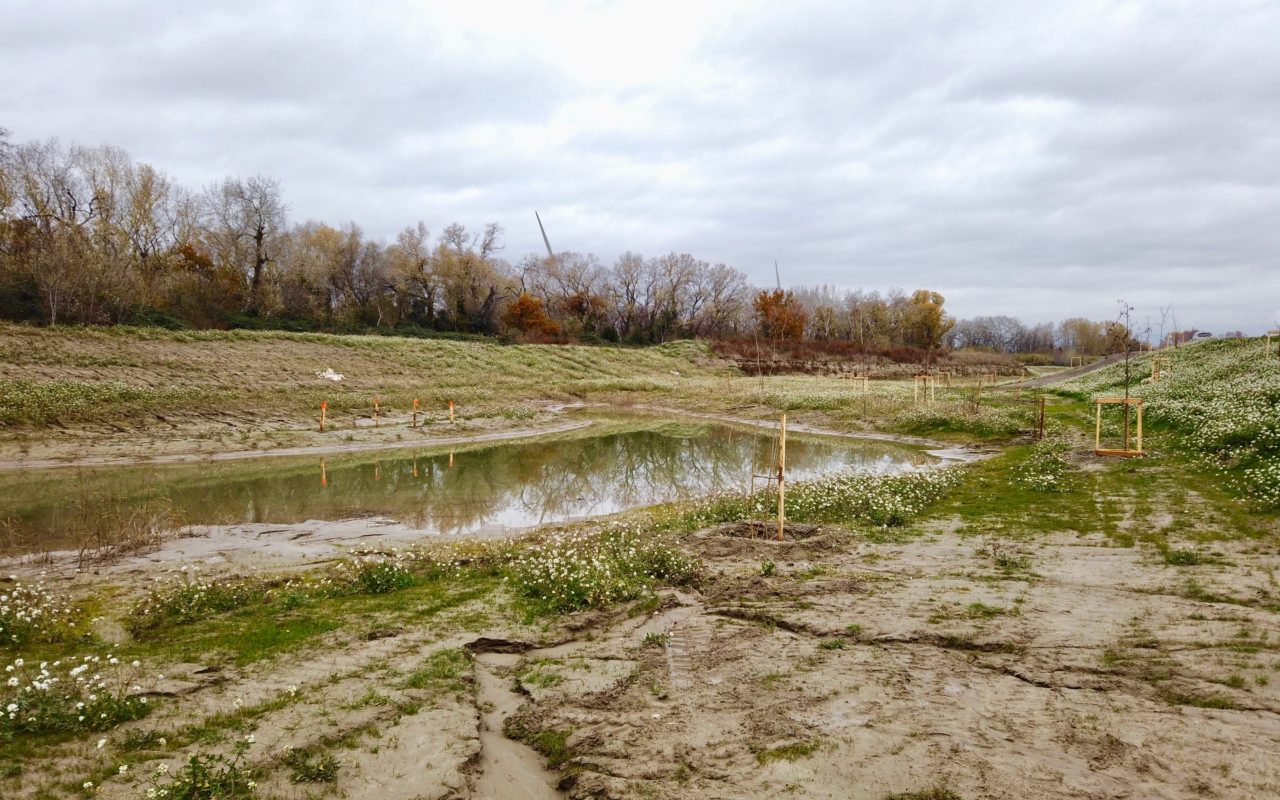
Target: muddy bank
<point x="391" y="435"/>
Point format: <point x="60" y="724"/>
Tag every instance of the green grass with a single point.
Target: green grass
<point x="551" y="743"/>
<point x="306" y="766"/>
<point x="936" y="793"/>
<point x="255" y="370"/>
<point x="443" y="670"/>
<point x="1175" y="501"/>
<point x="789" y="752"/>
<point x="984" y="611"/>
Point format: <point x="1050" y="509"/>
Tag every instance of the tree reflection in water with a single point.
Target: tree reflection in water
<point x="503" y="486"/>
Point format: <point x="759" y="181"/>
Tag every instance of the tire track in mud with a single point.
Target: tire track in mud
<point x="504" y="767"/>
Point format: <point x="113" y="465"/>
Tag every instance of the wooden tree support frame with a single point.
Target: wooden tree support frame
<point x="1126" y="451"/>
<point x="859" y="380"/>
<point x="782" y="477"/>
<point x="925" y="383"/>
<point x="1160" y="367"/>
<point x="778" y="474"/>
<point x="1077" y="361"/>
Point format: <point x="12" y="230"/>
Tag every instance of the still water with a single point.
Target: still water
<point x="495" y="487"/>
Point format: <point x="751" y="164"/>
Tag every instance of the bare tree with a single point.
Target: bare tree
<point x="248" y="218"/>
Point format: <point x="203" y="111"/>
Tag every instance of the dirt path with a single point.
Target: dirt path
<point x="1065" y="375"/>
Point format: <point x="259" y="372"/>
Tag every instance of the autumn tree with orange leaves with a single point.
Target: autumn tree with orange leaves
<point x="779" y="315"/>
<point x="528" y="317"/>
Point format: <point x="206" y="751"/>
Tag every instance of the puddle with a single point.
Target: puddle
<point x="489" y="488"/>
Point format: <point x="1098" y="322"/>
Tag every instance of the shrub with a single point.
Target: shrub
<point x="90" y="693"/>
<point x="307" y="767"/>
<point x="187" y="597"/>
<point x="207" y="777"/>
<point x="34" y="613"/>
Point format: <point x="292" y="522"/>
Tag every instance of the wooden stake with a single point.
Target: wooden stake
<point x="324" y="404"/>
<point x="324" y="474"/>
<point x="1040" y="429"/>
<point x="1139" y="426"/>
<point x="782" y="476"/>
<point x="377" y="409"/>
<point x="1126" y="425"/>
<point x="1097" y="428"/>
<point x="414" y="425"/>
<point x="451" y="411"/>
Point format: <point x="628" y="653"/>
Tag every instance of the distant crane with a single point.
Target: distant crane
<point x="545" y="240"/>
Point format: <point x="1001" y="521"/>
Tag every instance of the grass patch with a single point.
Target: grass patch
<point x="552" y="743"/>
<point x="789" y="752"/>
<point x="936" y="793"/>
<point x="984" y="611"/>
<point x="443" y="670"/>
<point x="308" y="767"/>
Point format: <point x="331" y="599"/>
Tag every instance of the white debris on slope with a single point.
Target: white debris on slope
<point x="330" y="375"/>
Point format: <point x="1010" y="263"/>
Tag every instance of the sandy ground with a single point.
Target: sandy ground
<point x="854" y="669"/>
<point x="859" y="670"/>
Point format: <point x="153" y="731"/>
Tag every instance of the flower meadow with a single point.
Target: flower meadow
<point x="40" y="402"/>
<point x="962" y="417"/>
<point x="1223" y="402"/>
<point x="842" y="498"/>
<point x="187" y="596"/>
<point x="564" y="571"/>
<point x="84" y="693"/>
<point x="32" y="612"/>
<point x="1044" y="469"/>
<point x="571" y="570"/>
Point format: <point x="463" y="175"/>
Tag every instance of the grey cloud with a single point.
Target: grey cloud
<point x="1034" y="159"/>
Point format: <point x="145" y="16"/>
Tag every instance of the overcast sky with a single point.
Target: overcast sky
<point x="1027" y="158"/>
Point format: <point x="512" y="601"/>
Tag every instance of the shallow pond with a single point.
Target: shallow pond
<point x="502" y="486"/>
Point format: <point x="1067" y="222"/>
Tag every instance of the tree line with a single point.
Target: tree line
<point x="89" y="236"/>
